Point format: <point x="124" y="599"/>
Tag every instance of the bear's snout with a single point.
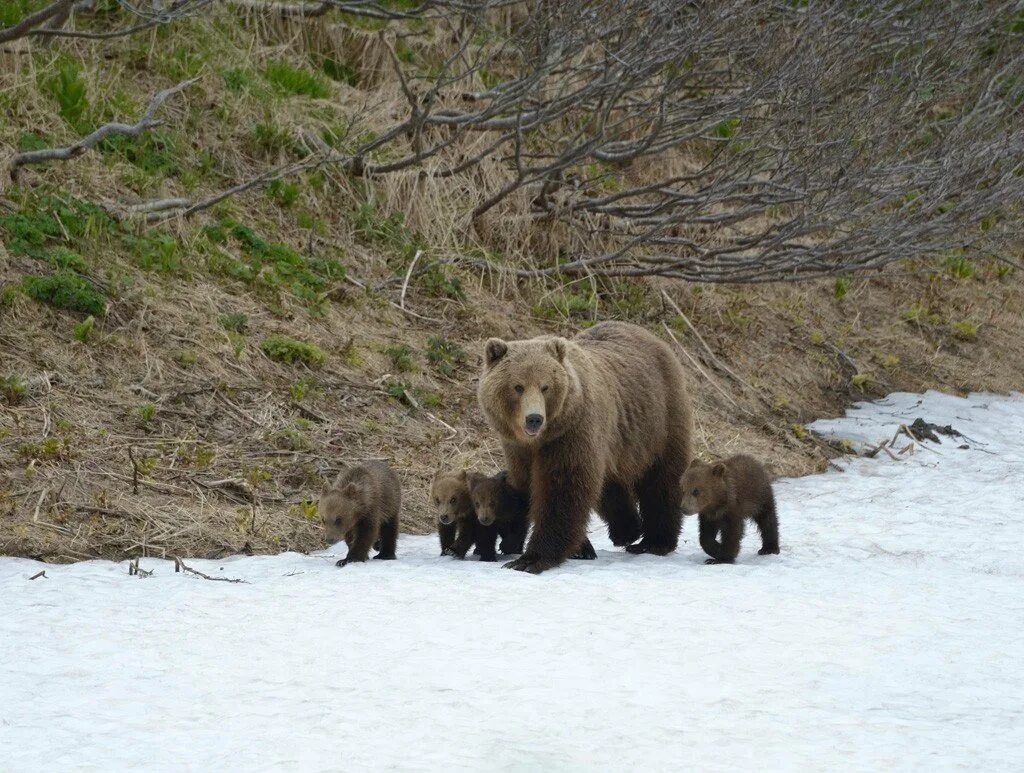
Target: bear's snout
<point x="533" y="423"/>
<point x="486" y="520"/>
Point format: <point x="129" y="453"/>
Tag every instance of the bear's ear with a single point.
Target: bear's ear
<point x="557" y="348"/>
<point x="350" y="490"/>
<point x="495" y="350"/>
<point x="718" y="470"/>
<point x="463" y="475"/>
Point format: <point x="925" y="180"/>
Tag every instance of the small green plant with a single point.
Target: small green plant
<point x="235" y="322"/>
<point x="13" y="389"/>
<point x="300" y="389"/>
<point x="284" y="193"/>
<point x="68" y="89"/>
<point x="444" y="355"/>
<point x="861" y="380"/>
<point x="307" y="509"/>
<point x="185" y="358"/>
<point x="147" y="412"/>
<point x="256" y="476"/>
<point x="568" y="304"/>
<point x="401" y="357"/>
<point x="83" y="330"/>
<point x="339" y="71"/>
<point x="50" y="450"/>
<point x="399" y="390"/>
<point x="960" y="267"/>
<point x="294" y="81"/>
<point x="431" y="399"/>
<point x="800" y="431"/>
<point x="435" y="281"/>
<point x="965" y="330"/>
<point x="236" y="80"/>
<point x="65" y="290"/>
<point x="289" y="351"/>
<point x="841" y="288"/>
<point x="350" y="354"/>
<point x="915" y="313"/>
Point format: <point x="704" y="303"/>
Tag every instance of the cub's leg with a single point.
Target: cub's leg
<point x="768" y="524"/>
<point x="709" y="536"/>
<point x="359" y="547"/>
<point x="447" y="535"/>
<point x="486" y="536"/>
<point x="388" y="539"/>
<point x="732" y="535"/>
<point x="466" y="538"/>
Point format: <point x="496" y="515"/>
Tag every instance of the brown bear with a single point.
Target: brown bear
<point x="500" y="507"/>
<point x="457" y="525"/>
<point x="725" y="494"/>
<point x="361" y="507"/>
<point x="601" y="422"/>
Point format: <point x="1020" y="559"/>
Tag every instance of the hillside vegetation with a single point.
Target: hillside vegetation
<point x="183" y="381"/>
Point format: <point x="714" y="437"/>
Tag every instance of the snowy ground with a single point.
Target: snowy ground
<point x="888" y="634"/>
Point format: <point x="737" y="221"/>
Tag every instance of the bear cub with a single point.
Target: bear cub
<point x="361" y="507"/>
<point x="502" y="512"/>
<point x="724" y="495"/>
<point x="457" y="525"/>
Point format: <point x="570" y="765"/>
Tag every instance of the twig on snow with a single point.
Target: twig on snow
<point x="181" y="566"/>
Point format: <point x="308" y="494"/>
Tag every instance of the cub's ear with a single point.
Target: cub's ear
<point x="473" y="479"/>
<point x="494" y="351"/>
<point x="350" y="490"/>
<point x="463" y="475"/>
<point x="718" y="470"/>
<point x="557" y="348"/>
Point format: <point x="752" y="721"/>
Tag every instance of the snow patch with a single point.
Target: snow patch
<point x="888" y="635"/>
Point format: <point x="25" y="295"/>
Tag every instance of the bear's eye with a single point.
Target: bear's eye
<point x="437" y="500"/>
<point x="544" y="388"/>
<point x="696" y="492"/>
<point x="519" y="389"/>
<point x="337" y="521"/>
<point x="451" y="501"/>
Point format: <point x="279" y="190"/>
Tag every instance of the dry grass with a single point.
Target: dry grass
<point x="167" y="429"/>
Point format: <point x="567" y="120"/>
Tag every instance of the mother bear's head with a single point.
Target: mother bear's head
<point x="526" y="386"/>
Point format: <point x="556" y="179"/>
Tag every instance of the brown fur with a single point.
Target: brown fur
<point x="361" y="507"/>
<point x="725" y="494"/>
<point x="611" y="427"/>
<point x="501" y="507"/>
<point x="457" y="525"/>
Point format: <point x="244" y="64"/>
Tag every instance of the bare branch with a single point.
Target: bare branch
<point x="146" y="122"/>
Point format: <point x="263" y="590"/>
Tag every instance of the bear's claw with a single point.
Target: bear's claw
<point x="717" y="561"/>
<point x="643" y="546"/>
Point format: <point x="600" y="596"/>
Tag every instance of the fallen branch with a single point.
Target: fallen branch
<point x="405" y="284"/>
<point x="146" y="122"/>
<point x="135" y="471"/>
<point x="181" y="566"/>
<point x="37" y="575"/>
<point x="26" y="25"/>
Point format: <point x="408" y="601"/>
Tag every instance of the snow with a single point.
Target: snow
<point x="888" y="635"/>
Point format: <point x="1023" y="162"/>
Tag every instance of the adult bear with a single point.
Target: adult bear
<point x="601" y="422"/>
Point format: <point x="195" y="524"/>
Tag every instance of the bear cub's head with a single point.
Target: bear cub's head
<point x="341" y="507"/>
<point x="489" y="495"/>
<point x="450" y="494"/>
<point x="705" y="487"/>
<point x="524" y="385"/>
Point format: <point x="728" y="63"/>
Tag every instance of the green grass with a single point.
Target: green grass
<point x="69" y="91"/>
<point x="270" y="266"/>
<point x="291" y="352"/>
<point x="235" y="322"/>
<point x="83" y="330"/>
<point x="65" y="290"/>
<point x="445" y="356"/>
<point x="294" y="81"/>
<point x="401" y="357"/>
<point x="965" y="330"/>
<point x="12" y="389"/>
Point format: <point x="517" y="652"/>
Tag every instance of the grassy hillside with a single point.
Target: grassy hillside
<point x="185" y="387"/>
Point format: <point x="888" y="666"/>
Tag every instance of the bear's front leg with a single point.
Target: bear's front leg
<point x="359" y="546"/>
<point x="562" y="495"/>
